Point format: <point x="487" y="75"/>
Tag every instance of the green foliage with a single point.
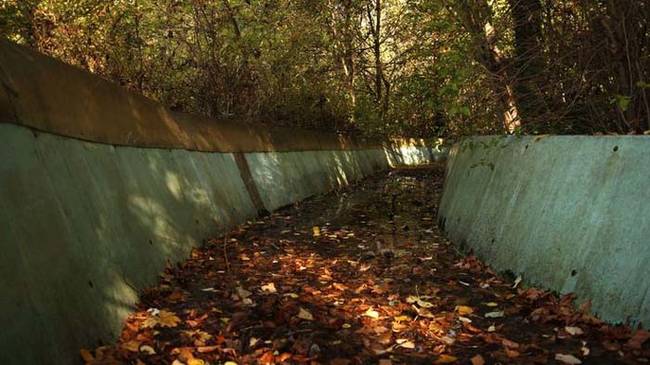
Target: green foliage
<point x="417" y="68"/>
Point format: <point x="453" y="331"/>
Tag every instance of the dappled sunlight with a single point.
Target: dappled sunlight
<point x="173" y="184"/>
<point x="312" y="283"/>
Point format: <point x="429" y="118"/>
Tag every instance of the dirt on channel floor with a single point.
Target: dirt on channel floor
<point x="358" y="276"/>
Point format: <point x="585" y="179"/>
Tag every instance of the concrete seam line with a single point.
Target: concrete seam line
<point x="249" y="182"/>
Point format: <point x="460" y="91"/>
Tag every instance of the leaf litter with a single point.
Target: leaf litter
<point x="359" y="276"/>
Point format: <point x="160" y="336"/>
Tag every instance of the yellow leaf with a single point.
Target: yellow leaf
<point x="163" y="318"/>
<point x="316" y="231"/>
<point x="269" y="288"/>
<point x="402" y="342"/>
<point x="195" y="361"/>
<point x="305" y="314"/>
<point x="446" y="359"/>
<point x="147" y="350"/>
<point x="464" y="310"/>
<point x="133" y="345"/>
<point x="229" y="363"/>
<point x="492" y="304"/>
<point x="371" y="313"/>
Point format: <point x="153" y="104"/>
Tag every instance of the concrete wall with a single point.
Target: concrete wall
<point x="84" y="226"/>
<point x="568" y="213"/>
<point x="100" y="188"/>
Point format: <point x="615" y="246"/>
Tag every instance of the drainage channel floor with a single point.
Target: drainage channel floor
<point x="359" y="276"/>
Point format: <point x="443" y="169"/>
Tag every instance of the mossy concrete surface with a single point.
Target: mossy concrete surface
<point x="569" y="213"/>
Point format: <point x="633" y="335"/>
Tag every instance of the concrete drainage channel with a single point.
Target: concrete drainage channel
<point x="101" y="188"/>
<point x="567" y="213"/>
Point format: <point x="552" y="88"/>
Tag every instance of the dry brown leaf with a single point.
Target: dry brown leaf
<point x="445" y="359"/>
<point x="206" y="349"/>
<point x="637" y="340"/>
<point x="162" y="318"/>
<point x="509" y="344"/>
<point x="133" y="346"/>
<point x="86" y="355"/>
<point x="477" y="360"/>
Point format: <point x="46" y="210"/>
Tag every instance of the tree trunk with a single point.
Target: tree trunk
<point x="475" y="16"/>
<point x="528" y="62"/>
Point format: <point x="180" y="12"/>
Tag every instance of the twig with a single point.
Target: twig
<point x="225" y="252"/>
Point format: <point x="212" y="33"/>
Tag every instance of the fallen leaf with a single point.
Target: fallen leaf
<point x="206" y="349"/>
<point x="574" y="331"/>
<point x="509" y="344"/>
<point x="147" y="350"/>
<point x="316" y="231"/>
<point x="243" y="293"/>
<point x="413" y="299"/>
<point x="405" y="343"/>
<point x="637" y="340"/>
<point x="511" y="353"/>
<point x="464" y="310"/>
<point x="371" y="313"/>
<point x="269" y="288"/>
<point x="161" y="318"/>
<point x="385" y="362"/>
<point x="133" y="345"/>
<point x="567" y="359"/>
<point x="305" y="314"/>
<point x="517" y="282"/>
<point x="86" y="355"/>
<point x="477" y="360"/>
<point x="497" y="314"/>
<point x="445" y="359"/>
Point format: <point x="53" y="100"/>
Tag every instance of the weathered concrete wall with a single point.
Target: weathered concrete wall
<point x="100" y="188"/>
<point x="568" y="213"/>
<point x="84" y="226"/>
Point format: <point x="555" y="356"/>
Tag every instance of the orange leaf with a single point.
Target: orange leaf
<point x="445" y="359"/>
<point x="206" y="349"/>
<point x="86" y="355"/>
<point x="477" y="360"/>
<point x="636" y="342"/>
